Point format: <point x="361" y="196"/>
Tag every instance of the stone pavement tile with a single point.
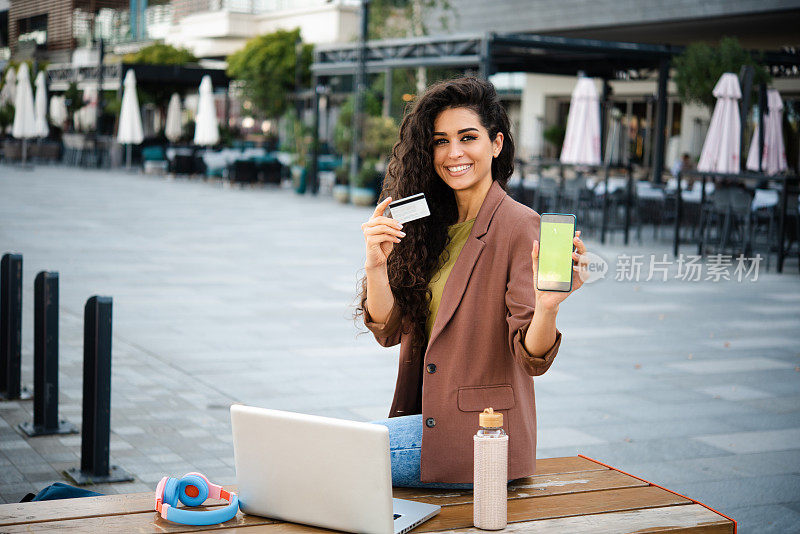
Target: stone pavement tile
<point x="370" y="413"/>
<point x="12" y="493"/>
<point x="760" y="441"/>
<point x="565" y="437"/>
<point x="765" y="421"/>
<point x="735" y="392"/>
<point x="13" y="445"/>
<point x="25" y="457"/>
<point x="727" y="494"/>
<point x="737" y="365"/>
<point x="786" y="387"/>
<point x="127" y="430"/>
<point x="669" y="411"/>
<point x="785" y="324"/>
<point x="755" y="379"/>
<point x="11" y="475"/>
<point x="669" y="394"/>
<point x="574" y="418"/>
<point x="719" y="467"/>
<point x="759" y="343"/>
<point x="783" y="405"/>
<point x="766" y="519"/>
<point x="656" y="450"/>
<point x="794" y="506"/>
<point x="647" y="430"/>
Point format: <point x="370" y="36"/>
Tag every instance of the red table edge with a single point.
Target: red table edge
<point x="663" y="488"/>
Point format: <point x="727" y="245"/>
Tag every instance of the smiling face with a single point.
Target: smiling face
<point x="462" y="149"/>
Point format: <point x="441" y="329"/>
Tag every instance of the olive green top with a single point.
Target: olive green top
<point x="458" y="237"/>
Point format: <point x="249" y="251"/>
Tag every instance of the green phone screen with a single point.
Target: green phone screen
<point x="555" y="252"/>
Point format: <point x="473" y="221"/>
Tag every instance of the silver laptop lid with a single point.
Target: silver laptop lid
<point x="313" y="470"/>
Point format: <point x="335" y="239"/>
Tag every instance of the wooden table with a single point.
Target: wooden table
<point x="574" y="495"/>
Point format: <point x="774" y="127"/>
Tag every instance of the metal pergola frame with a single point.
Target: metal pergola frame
<point x="59" y="76"/>
<point x="490" y="53"/>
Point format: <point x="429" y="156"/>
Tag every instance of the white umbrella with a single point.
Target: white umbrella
<point x="9" y="92"/>
<point x="721" y="148"/>
<point x="130" y="119"/>
<point x="173" y="129"/>
<point x="40" y="106"/>
<point x="582" y="139"/>
<point x="773" y="158"/>
<point x="206" y="129"/>
<point x="24" y="114"/>
<point x="58" y="110"/>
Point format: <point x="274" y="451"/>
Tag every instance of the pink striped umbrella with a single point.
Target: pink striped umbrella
<point x="773" y="158"/>
<point x="721" y="148"/>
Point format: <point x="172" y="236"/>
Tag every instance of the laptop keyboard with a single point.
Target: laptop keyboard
<point x="396" y="516"/>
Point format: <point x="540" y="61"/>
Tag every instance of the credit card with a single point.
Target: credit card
<point x="409" y="209"/>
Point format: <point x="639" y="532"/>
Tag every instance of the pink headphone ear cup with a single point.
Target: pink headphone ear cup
<point x="201" y="475"/>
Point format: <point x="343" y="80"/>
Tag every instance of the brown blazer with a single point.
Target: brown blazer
<point x="475" y="357"/>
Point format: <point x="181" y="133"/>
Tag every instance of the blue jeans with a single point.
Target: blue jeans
<point x="405" y="442"/>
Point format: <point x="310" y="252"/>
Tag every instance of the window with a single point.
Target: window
<point x="33" y="29"/>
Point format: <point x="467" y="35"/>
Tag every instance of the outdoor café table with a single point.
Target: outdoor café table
<point x="571" y="494"/>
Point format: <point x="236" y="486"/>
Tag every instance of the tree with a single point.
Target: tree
<point x="700" y="66"/>
<point x="161" y="54"/>
<point x="73" y="99"/>
<point x="407" y="18"/>
<point x="269" y="68"/>
<point x="343" y="131"/>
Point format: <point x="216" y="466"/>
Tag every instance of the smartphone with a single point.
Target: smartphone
<point x="556" y="231"/>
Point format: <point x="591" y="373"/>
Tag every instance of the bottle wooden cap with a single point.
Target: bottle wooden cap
<point x="490" y="419"/>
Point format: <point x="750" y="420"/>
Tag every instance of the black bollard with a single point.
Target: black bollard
<point x="95" y="468"/>
<point x="45" y="360"/>
<point x="11" y="328"/>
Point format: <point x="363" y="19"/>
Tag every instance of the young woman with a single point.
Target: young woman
<point x="456" y="289"/>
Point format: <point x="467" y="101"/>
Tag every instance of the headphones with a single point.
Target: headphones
<point x="192" y="490"/>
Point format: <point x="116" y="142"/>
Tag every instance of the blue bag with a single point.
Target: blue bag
<point x="59" y="490"/>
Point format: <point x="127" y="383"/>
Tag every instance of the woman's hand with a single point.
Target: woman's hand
<point x="551" y="299"/>
<point x="380" y="235"/>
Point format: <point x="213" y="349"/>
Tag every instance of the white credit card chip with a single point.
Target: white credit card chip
<point x="409" y="209"/>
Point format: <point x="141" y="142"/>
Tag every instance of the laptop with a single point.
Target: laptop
<point x="319" y="471"/>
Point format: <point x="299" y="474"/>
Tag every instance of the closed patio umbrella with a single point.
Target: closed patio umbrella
<point x="9" y="92"/>
<point x="582" y="139"/>
<point x="24" y="126"/>
<point x="206" y="131"/>
<point x="721" y="148"/>
<point x="773" y="158"/>
<point x="173" y="129"/>
<point x="130" y="119"/>
<point x="40" y="106"/>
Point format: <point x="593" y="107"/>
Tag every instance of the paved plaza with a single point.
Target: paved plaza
<point x="224" y="294"/>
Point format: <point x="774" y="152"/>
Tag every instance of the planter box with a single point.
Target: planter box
<point x="363" y="196"/>
<point x="341" y="193"/>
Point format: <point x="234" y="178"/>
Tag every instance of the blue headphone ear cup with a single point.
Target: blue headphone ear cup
<point x="197" y="482"/>
<point x="171" y="492"/>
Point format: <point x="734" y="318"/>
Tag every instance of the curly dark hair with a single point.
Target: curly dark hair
<point x="415" y="259"/>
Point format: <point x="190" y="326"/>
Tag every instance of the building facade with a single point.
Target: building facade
<point x="756" y="24"/>
<point x="52" y="28"/>
<point x="217" y="28"/>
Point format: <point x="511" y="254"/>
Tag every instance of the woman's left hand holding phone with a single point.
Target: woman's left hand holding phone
<point x="551" y="299"/>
